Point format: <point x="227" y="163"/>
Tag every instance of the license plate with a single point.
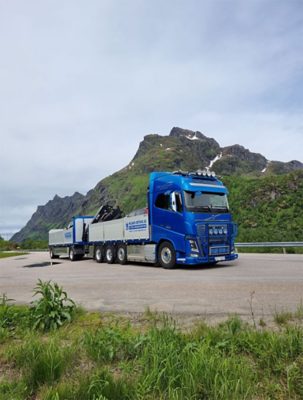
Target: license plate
<point x="222" y="258"/>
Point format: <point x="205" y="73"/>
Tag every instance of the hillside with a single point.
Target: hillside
<point x="265" y="195"/>
<point x="54" y="213"/>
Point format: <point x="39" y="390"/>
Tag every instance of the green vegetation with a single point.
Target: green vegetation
<point x="28" y="244"/>
<point x="53" y="307"/>
<point x="6" y="245"/>
<point x="102" y="356"/>
<point x="34" y="244"/>
<point x="267" y="206"/>
<point x="4" y="254"/>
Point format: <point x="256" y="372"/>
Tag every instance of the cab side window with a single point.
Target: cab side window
<point x="169" y="201"/>
<point x="163" y="201"/>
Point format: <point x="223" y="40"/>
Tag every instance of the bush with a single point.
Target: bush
<point x="12" y="317"/>
<point x="53" y="309"/>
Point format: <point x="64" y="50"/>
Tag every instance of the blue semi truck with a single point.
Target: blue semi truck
<point x="186" y="222"/>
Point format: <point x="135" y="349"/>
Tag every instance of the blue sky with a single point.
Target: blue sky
<point x="82" y="83"/>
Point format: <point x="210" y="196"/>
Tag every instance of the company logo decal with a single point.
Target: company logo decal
<point x="139" y="225"/>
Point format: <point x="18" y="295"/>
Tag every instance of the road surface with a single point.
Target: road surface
<point x="260" y="282"/>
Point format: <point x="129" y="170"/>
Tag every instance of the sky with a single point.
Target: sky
<point x="82" y="82"/>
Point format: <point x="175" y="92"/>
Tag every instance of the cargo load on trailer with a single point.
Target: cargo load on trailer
<point x="186" y="222"/>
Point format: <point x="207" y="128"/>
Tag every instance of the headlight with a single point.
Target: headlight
<point x="211" y="231"/>
<point x="216" y="231"/>
<point x="225" y="231"/>
<point x="220" y="231"/>
<point x="193" y="245"/>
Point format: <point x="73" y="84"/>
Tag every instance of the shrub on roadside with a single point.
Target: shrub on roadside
<point x="53" y="308"/>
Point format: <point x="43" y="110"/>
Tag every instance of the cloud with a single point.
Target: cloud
<point x="81" y="83"/>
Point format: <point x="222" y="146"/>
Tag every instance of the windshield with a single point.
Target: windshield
<point x="206" y="202"/>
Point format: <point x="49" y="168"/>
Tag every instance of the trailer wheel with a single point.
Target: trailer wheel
<point x="51" y="254"/>
<point x="110" y="254"/>
<point x="167" y="255"/>
<point x="99" y="254"/>
<point x="72" y="256"/>
<point x="122" y="254"/>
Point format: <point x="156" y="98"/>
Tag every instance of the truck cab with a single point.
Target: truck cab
<point x="190" y="219"/>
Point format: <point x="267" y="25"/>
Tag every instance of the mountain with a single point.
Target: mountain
<point x="183" y="150"/>
<point x="55" y="213"/>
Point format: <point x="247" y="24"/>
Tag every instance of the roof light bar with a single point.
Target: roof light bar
<point x="205" y="172"/>
<point x="199" y="172"/>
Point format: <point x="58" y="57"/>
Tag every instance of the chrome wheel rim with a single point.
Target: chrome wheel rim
<point x="166" y="255"/>
<point x="121" y="254"/>
<point x="109" y="254"/>
<point x="98" y="254"/>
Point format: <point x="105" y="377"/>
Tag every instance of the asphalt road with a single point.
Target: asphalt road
<point x="263" y="283"/>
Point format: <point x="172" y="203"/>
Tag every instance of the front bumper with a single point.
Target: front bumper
<point x="206" y="260"/>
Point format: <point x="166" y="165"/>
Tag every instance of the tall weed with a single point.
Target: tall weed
<point x="53" y="308"/>
<point x="111" y="343"/>
<point x="177" y="368"/>
<point x="41" y="362"/>
<point x="101" y="385"/>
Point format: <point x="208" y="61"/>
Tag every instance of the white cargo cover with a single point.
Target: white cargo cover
<point x="64" y="237"/>
<point x="60" y="236"/>
<point x="128" y="228"/>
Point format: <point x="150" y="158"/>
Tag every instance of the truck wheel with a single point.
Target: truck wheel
<point x="167" y="255"/>
<point x="109" y="254"/>
<point x="99" y="254"/>
<point x="122" y="254"/>
<point x="72" y="256"/>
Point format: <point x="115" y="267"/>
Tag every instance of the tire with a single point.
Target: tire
<point x="71" y="255"/>
<point x="122" y="254"/>
<point x="167" y="255"/>
<point x="99" y="254"/>
<point x="110" y="254"/>
<point x="51" y="254"/>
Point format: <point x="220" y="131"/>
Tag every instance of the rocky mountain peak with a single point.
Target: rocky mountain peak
<point x="243" y="154"/>
<point x="182" y="149"/>
<point x="180" y="132"/>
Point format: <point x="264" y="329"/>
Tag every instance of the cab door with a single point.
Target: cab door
<point x="168" y="219"/>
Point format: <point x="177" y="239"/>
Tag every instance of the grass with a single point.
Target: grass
<point x="5" y="254"/>
<point x="98" y="356"/>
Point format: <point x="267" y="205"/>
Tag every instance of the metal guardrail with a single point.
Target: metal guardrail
<point x="270" y="244"/>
